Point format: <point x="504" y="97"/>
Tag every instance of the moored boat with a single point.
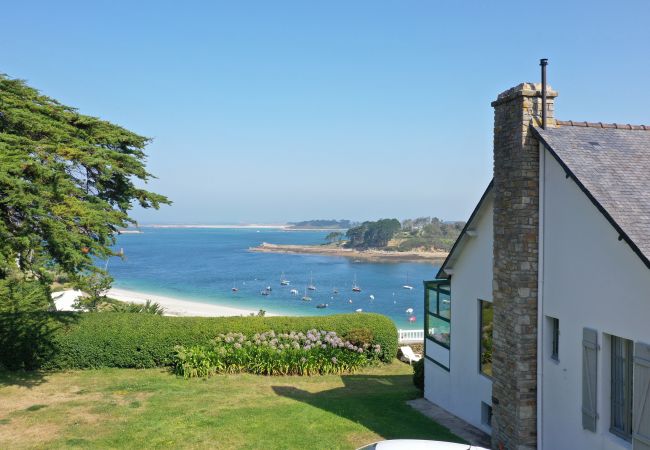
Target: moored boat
<point x="355" y="286"/>
<point x="407" y="285"/>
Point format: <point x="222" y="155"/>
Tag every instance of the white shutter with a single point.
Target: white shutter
<point x="589" y="378"/>
<point x="641" y="398"/>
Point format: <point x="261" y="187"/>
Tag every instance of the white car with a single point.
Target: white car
<point x="416" y="444"/>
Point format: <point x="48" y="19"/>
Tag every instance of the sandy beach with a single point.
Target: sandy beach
<point x="173" y="306"/>
<point x="368" y="255"/>
<point x="177" y="307"/>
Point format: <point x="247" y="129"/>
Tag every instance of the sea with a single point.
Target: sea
<point x="203" y="265"/>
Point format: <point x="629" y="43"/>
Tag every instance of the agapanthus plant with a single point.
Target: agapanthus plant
<point x="270" y="353"/>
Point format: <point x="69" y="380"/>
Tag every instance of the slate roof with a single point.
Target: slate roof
<point x="611" y="164"/>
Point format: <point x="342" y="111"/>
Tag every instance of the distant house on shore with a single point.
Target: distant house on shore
<point x="538" y="323"/>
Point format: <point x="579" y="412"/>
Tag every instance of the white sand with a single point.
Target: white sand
<point x="177" y="307"/>
<point x="63" y="300"/>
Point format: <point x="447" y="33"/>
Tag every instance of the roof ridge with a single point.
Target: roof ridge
<point x="619" y="126"/>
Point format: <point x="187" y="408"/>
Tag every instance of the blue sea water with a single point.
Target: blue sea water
<point x="203" y="264"/>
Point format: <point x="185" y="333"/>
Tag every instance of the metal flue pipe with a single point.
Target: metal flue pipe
<point x="543" y="63"/>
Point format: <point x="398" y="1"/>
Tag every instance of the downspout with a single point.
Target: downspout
<point x="540" y="298"/>
<point x="540" y="270"/>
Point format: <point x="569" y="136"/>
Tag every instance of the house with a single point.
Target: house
<point x="538" y="323"/>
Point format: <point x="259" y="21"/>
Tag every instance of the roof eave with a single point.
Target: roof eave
<point x="441" y="272"/>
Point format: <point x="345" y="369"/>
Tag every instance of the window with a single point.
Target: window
<point x="437" y="302"/>
<point x="486" y="414"/>
<point x="621" y="387"/>
<point x="555" y="338"/>
<point x="485" y="332"/>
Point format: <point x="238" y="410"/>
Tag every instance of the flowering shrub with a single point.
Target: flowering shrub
<point x="295" y="353"/>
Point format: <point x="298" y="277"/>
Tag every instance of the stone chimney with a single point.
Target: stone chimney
<point x="516" y="238"/>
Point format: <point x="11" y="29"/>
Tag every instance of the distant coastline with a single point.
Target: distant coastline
<point x="368" y="255"/>
<point x="251" y="226"/>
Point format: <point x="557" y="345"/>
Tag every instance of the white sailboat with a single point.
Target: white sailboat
<point x="407" y="285"/>
<point x="284" y="281"/>
<point x="311" y="286"/>
<point x="355" y="286"/>
<point x="305" y="297"/>
<point x="234" y="287"/>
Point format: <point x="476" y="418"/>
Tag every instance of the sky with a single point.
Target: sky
<point x="274" y="111"/>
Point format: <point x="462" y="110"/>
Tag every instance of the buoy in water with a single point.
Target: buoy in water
<point x="412" y="319"/>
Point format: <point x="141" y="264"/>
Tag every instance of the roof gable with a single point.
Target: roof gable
<point x="462" y="237"/>
<point x="612" y="167"/>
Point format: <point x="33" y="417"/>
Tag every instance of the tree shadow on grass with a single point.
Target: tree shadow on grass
<point x="376" y="402"/>
<point x="27" y="342"/>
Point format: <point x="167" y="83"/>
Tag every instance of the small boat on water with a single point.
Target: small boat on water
<point x="358" y="310"/>
<point x="311" y="286"/>
<point x="409" y="311"/>
<point x="306" y="298"/>
<point x="284" y="281"/>
<point x="349" y="300"/>
<point x="265" y="292"/>
<point x="234" y="287"/>
<point x="294" y="291"/>
<point x="372" y="297"/>
<point x="355" y="286"/>
<point x="335" y="291"/>
<point x="322" y="306"/>
<point x="407" y="285"/>
<point x="412" y="319"/>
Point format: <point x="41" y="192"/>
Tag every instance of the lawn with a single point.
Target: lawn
<point x="129" y="408"/>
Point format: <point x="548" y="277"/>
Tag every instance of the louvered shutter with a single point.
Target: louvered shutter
<point x="641" y="398"/>
<point x="589" y="378"/>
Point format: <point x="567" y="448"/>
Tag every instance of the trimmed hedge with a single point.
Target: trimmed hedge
<point x="107" y="339"/>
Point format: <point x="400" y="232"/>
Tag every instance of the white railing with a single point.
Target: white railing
<point x="404" y="336"/>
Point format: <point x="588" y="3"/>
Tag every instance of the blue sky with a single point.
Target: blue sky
<point x="270" y="111"/>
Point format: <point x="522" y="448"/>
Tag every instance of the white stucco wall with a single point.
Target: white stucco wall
<point x="462" y="389"/>
<point x="590" y="279"/>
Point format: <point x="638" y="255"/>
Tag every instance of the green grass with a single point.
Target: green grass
<point x="130" y="408"/>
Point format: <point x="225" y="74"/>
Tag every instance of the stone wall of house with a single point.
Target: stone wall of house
<point x="516" y="236"/>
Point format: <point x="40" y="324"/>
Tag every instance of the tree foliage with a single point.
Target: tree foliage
<point x="334" y="236"/>
<point x="429" y="233"/>
<point x="67" y="183"/>
<point x="373" y="234"/>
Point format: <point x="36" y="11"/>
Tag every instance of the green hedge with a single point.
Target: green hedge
<point x="106" y="339"/>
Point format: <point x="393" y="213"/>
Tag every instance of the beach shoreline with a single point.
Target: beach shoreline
<point x="179" y="307"/>
<point x="64" y="301"/>
<point x="368" y="255"/>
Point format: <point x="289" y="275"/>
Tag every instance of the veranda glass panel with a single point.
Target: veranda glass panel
<point x="444" y="302"/>
<point x="440" y="330"/>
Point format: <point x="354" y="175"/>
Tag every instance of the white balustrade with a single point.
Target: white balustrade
<point x="410" y="336"/>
